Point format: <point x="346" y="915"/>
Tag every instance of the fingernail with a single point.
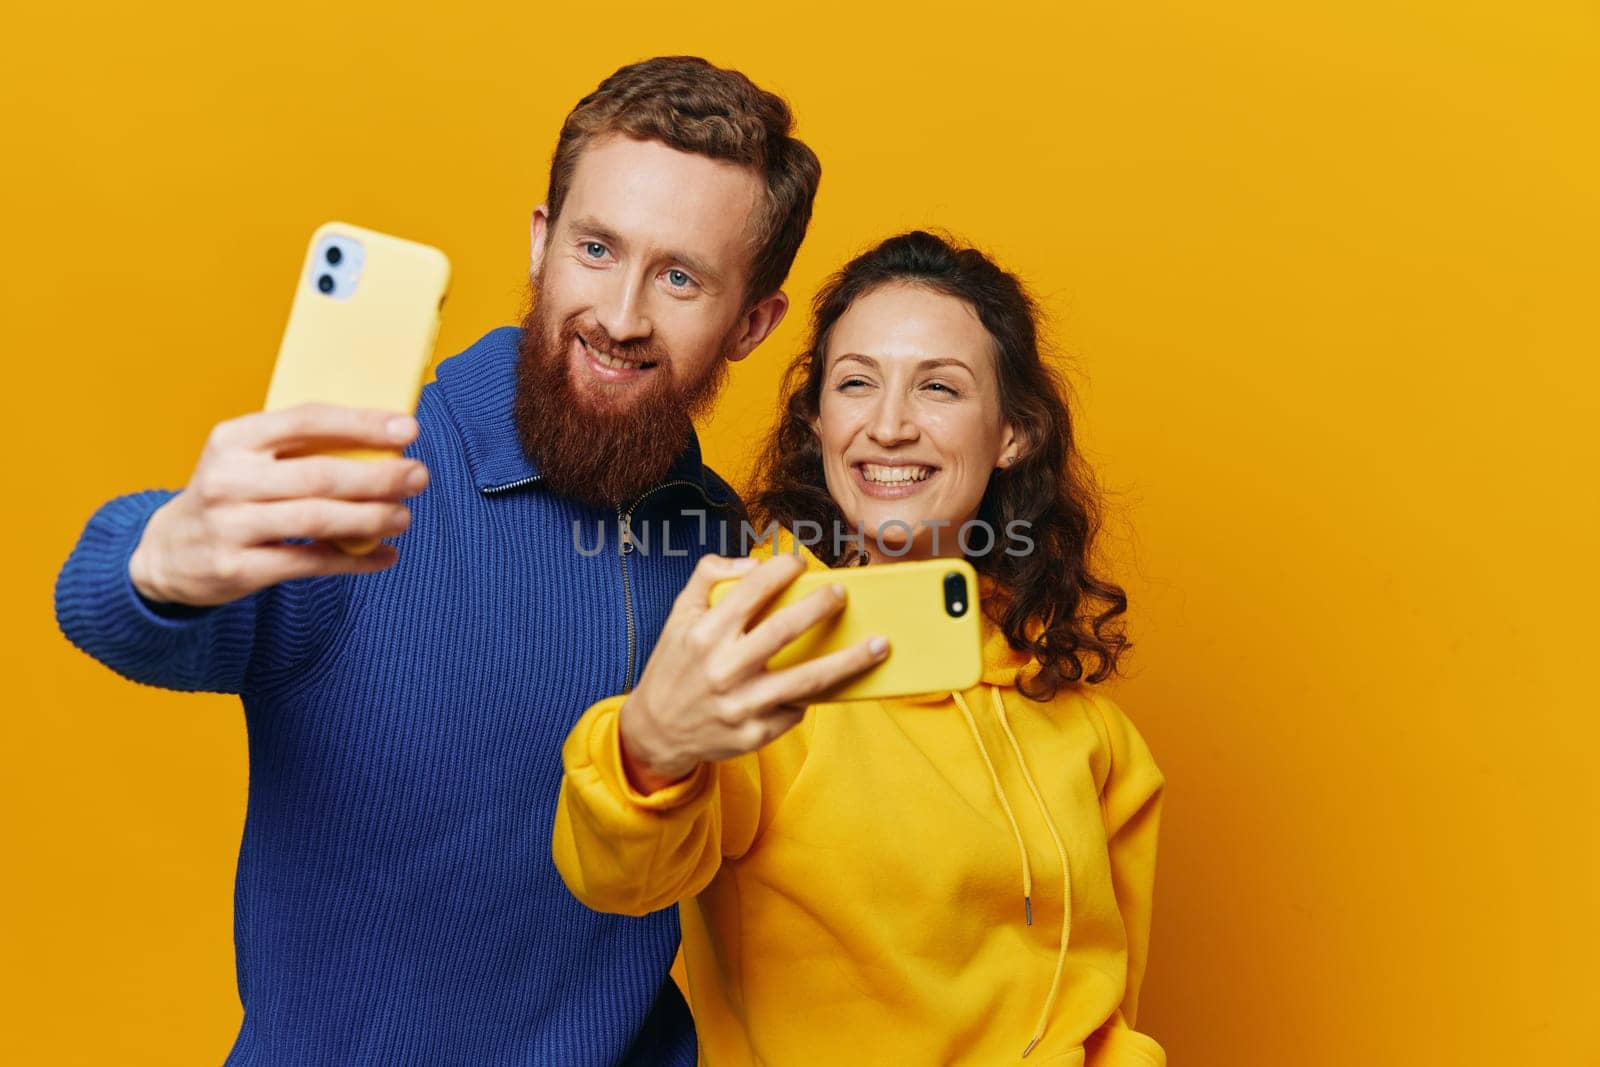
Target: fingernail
<point x="837" y="590"/>
<point x="401" y="428"/>
<point x="879" y="645"/>
<point x="746" y="563"/>
<point x="417" y="479"/>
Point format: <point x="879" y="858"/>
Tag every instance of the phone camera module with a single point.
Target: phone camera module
<point x="334" y="255"/>
<point x="325" y="283"/>
<point x="955" y="594"/>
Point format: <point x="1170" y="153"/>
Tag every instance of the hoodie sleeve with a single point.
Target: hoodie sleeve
<point x="1131" y="801"/>
<point x="633" y="853"/>
<point x="231" y="648"/>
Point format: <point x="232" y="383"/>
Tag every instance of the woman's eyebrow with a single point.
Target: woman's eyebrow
<point x="946" y="361"/>
<point x="925" y="364"/>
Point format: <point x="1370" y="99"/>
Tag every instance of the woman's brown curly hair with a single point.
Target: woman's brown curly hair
<point x="1050" y="603"/>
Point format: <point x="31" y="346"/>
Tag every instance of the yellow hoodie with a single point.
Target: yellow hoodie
<point x="885" y="882"/>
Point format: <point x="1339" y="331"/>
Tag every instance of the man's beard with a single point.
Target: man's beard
<point x="595" y="448"/>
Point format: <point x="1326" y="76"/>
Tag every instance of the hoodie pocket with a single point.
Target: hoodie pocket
<point x="1121" y="1047"/>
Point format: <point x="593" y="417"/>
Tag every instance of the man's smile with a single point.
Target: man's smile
<point x="610" y="368"/>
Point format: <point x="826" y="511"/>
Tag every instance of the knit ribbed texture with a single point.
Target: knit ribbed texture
<point x="396" y="902"/>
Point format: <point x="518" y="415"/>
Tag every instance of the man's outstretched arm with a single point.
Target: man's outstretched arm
<point x="201" y="589"/>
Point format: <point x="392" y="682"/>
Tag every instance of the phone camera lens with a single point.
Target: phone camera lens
<point x="325" y="283"/>
<point x="955" y="594"/>
<point x="335" y="254"/>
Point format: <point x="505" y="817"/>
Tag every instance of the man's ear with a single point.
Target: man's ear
<point x="538" y="232"/>
<point x="758" y="323"/>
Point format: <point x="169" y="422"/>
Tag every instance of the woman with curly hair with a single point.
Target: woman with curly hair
<point x="962" y="877"/>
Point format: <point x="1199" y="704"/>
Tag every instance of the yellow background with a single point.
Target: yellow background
<point x="1327" y="278"/>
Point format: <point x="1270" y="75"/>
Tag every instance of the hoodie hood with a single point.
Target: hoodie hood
<point x="1001" y="662"/>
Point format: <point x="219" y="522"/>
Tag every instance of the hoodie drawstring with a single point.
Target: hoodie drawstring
<point x="1055" y="838"/>
<point x="1005" y="805"/>
<point x="1066" y="875"/>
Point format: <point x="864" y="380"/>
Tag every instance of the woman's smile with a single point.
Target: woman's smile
<point x="893" y="479"/>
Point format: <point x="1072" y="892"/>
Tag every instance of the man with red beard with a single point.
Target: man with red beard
<point x="396" y="902"/>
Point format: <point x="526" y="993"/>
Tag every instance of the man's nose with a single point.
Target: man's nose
<point x="621" y="312"/>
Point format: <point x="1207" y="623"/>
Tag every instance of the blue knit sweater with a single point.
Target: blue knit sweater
<point x="395" y="901"/>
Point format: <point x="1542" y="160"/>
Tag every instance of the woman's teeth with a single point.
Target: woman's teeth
<point x="879" y="475"/>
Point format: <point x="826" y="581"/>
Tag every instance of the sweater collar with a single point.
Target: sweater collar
<point x="479" y="386"/>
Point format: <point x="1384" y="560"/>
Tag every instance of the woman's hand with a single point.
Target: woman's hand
<point x="706" y="694"/>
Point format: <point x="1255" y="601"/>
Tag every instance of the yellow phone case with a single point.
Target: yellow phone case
<point x="930" y="650"/>
<point x="368" y="347"/>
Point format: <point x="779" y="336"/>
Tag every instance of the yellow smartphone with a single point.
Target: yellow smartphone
<point x="928" y="609"/>
<point x="362" y="327"/>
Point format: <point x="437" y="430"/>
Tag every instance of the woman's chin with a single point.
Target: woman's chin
<point x="887" y="524"/>
<point x="900" y="534"/>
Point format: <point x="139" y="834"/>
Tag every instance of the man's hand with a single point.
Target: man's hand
<point x="706" y="694"/>
<point x="257" y="485"/>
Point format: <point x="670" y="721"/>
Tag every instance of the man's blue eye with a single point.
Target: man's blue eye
<point x="595" y="249"/>
<point x="677" y="278"/>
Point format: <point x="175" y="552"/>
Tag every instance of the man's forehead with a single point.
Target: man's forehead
<point x="656" y="198"/>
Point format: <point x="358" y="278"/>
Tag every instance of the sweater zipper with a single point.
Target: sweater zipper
<point x="491" y="490"/>
<point x="625" y="548"/>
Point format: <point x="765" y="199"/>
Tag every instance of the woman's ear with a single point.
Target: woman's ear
<point x="1013" y="446"/>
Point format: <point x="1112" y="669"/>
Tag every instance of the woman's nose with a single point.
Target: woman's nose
<point x="891" y="424"/>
